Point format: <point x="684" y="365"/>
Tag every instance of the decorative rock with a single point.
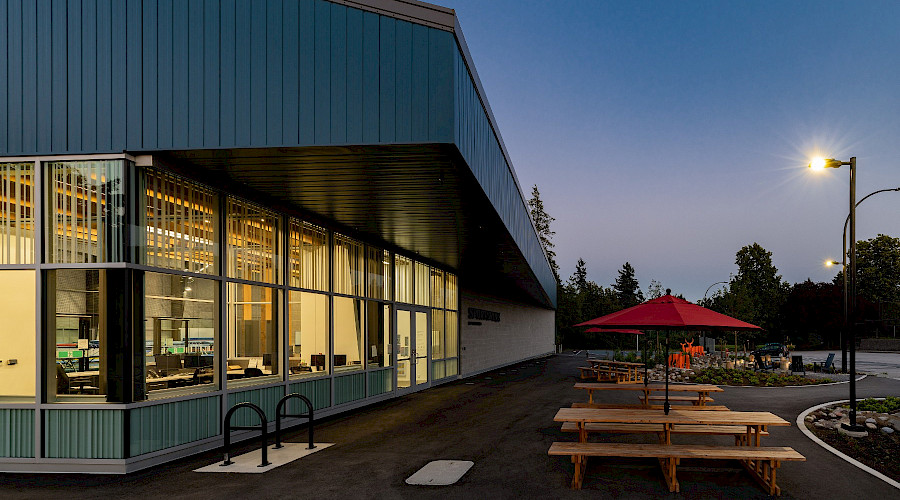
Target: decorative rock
<point x="887" y="430"/>
<point x="860" y="419"/>
<point x="839" y="413"/>
<point x="860" y="434"/>
<point x="870" y="421"/>
<point x="832" y="415"/>
<point x="872" y="427"/>
<point x="820" y="424"/>
<point x="810" y="418"/>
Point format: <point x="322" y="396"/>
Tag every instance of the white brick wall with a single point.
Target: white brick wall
<point x="524" y="331"/>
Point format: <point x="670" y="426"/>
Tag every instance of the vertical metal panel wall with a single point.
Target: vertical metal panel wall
<point x="478" y="144"/>
<point x="349" y="388"/>
<point x="317" y="391"/>
<point x="266" y="398"/>
<point x="84" y="433"/>
<point x="95" y="76"/>
<point x="381" y="381"/>
<point x="166" y="425"/>
<point x="16" y="433"/>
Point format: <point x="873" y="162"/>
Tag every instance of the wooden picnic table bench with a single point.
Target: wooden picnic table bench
<point x="702" y="390"/>
<point x="739" y="432"/>
<point x="694" y="400"/>
<point x="620" y="372"/>
<point x="669" y="456"/>
<point x="613" y="406"/>
<point x="760" y="462"/>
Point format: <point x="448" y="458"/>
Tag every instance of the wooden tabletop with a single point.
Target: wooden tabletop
<point x="612" y="362"/>
<point x="596" y="386"/>
<point x="636" y="416"/>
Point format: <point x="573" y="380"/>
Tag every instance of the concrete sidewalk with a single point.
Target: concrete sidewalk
<point x="503" y="422"/>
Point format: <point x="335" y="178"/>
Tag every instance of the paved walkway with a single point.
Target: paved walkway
<point x="502" y="421"/>
<point x="883" y="364"/>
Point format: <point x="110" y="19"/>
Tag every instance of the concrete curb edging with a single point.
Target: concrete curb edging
<point x="792" y="386"/>
<point x="801" y="423"/>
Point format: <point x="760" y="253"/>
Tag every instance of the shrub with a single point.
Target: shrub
<point x="887" y="405"/>
<point x="742" y="377"/>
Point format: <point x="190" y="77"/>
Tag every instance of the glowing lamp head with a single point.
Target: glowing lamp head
<point x="829" y="263"/>
<point x="817" y="164"/>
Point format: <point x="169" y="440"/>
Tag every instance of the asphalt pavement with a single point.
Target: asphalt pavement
<point x="503" y="422"/>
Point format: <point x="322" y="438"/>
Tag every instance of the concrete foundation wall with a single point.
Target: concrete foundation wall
<point x="522" y="332"/>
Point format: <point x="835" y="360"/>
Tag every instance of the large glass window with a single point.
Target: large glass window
<point x="78" y="330"/>
<point x="422" y="278"/>
<point x="437" y="288"/>
<point x="308" y="352"/>
<point x="403" y="279"/>
<point x="252" y="242"/>
<point x="348" y="266"/>
<point x="451" y="346"/>
<point x="17" y="335"/>
<point x="378" y="327"/>
<point x="309" y="256"/>
<point x="16" y="213"/>
<point x="437" y="334"/>
<point x="85" y="211"/>
<point x="182" y="224"/>
<point x="452" y="293"/>
<point x="348" y="334"/>
<point x="180" y="331"/>
<point x="378" y="273"/>
<point x="253" y="338"/>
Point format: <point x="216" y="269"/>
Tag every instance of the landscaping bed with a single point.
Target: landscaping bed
<point x="879" y="449"/>
<point x="725" y="376"/>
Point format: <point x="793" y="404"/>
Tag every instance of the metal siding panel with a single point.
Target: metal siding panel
<point x="4" y="77"/>
<point x="149" y="76"/>
<point x="167" y="425"/>
<point x="349" y="388"/>
<point x="89" y="76"/>
<point x="16" y="432"/>
<point x="274" y="75"/>
<point x="403" y="127"/>
<point x="59" y="54"/>
<point x="306" y="114"/>
<point x="164" y="81"/>
<point x="84" y="434"/>
<point x="419" y="84"/>
<point x="381" y="382"/>
<point x="13" y="61"/>
<point x="266" y="399"/>
<point x="74" y="81"/>
<point x="29" y="76"/>
<point x="211" y="74"/>
<point x="322" y="73"/>
<point x="258" y="74"/>
<point x="44" y="72"/>
<point x="134" y="75"/>
<point x="338" y="67"/>
<point x="104" y="76"/>
<point x="317" y="391"/>
<point x="388" y="89"/>
<point x="181" y="93"/>
<point x="370" y="76"/>
<point x="195" y="74"/>
<point x="119" y="83"/>
<point x="227" y="95"/>
<point x="440" y="80"/>
<point x="290" y="75"/>
<point x="242" y="73"/>
<point x="354" y="76"/>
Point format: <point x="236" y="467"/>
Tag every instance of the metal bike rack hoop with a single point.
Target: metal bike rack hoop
<point x="278" y="415"/>
<point x="263" y="426"/>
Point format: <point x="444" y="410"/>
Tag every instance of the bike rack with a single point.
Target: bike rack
<point x="281" y="406"/>
<point x="263" y="425"/>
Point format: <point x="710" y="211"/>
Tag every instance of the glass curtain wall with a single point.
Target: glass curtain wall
<point x="403" y="278"/>
<point x="86" y="216"/>
<point x="17" y="213"/>
<point x="252" y="242"/>
<point x="253" y="334"/>
<point x="308" y="353"/>
<point x="308" y="256"/>
<point x="422" y="278"/>
<point x="451" y="331"/>
<point x="181" y="221"/>
<point x="181" y="333"/>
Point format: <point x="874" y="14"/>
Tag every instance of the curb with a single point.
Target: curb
<point x="794" y="386"/>
<point x="801" y="423"/>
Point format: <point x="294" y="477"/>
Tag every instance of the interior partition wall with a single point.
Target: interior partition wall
<point x="141" y="304"/>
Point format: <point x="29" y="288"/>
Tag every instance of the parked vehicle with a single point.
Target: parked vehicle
<point x="771" y="349"/>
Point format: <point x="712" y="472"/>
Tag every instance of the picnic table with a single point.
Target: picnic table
<point x="618" y="371"/>
<point x="702" y="391"/>
<point x="761" y="462"/>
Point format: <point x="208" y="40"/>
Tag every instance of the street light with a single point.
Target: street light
<point x="822" y="164"/>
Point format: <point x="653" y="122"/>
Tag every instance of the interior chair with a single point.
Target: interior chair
<point x="253" y="372"/>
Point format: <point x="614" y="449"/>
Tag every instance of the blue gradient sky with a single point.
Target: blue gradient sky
<point x="671" y="134"/>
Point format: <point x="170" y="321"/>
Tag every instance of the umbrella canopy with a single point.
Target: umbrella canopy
<point x="669" y="313"/>
<point x="612" y="330"/>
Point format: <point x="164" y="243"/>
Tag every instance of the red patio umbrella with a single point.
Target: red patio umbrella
<point x="614" y="330"/>
<point x="669" y="313"/>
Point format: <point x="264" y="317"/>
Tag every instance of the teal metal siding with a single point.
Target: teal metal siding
<point x="266" y="399"/>
<point x="84" y="433"/>
<point x="317" y="391"/>
<point x="381" y="381"/>
<point x="16" y="433"/>
<point x="349" y="388"/>
<point x="88" y="76"/>
<point x="478" y="144"/>
<point x="166" y="425"/>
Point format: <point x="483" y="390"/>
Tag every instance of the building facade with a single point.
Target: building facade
<point x="217" y="201"/>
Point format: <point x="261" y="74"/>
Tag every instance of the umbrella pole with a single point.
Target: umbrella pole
<point x="645" y="360"/>
<point x="666" y="405"/>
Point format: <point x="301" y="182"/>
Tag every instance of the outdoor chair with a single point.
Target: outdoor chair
<point x="827" y="366"/>
<point x="797" y="365"/>
<point x="761" y="363"/>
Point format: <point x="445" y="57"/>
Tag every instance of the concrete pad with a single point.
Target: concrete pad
<point x="440" y="472"/>
<point x="248" y="463"/>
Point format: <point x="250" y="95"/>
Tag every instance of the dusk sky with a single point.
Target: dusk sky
<point x="671" y="134"/>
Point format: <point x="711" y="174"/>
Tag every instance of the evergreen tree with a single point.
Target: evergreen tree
<point x="758" y="290"/>
<point x="542" y="221"/>
<point x="627" y="288"/>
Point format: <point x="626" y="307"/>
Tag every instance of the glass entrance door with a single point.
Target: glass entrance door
<point x="412" y="332"/>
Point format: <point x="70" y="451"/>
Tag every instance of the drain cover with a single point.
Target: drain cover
<point x="440" y="472"/>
